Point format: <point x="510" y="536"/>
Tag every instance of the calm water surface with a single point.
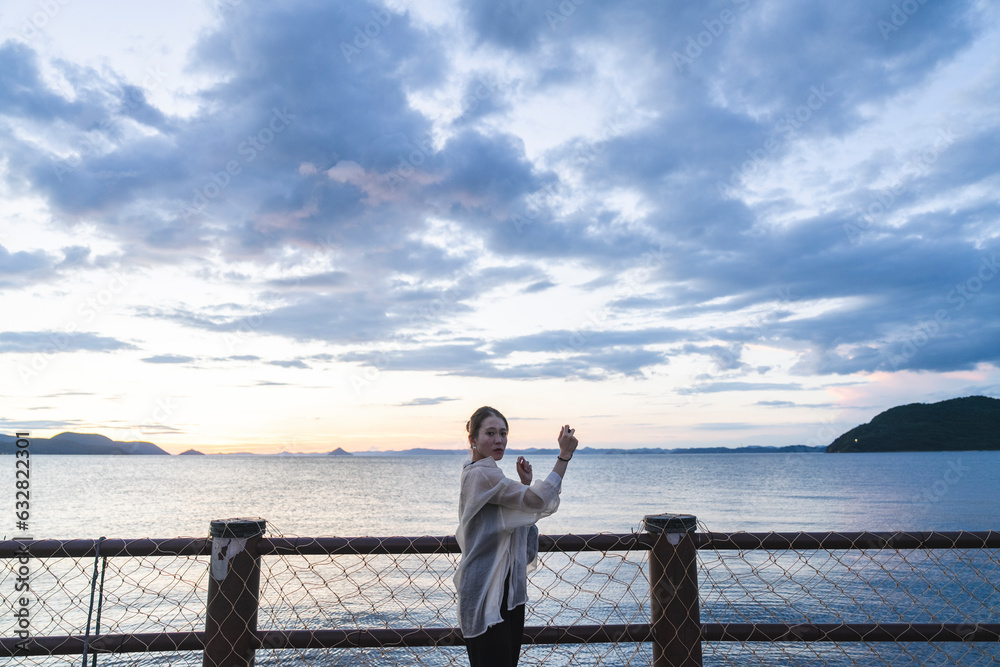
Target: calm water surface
<point x="161" y="496"/>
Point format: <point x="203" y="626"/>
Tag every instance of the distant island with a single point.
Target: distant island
<point x="93" y="444"/>
<point x="958" y="424"/>
<point x="602" y="451"/>
<point x="81" y="443"/>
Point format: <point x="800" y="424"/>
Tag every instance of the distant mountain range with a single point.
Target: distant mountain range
<point x="76" y="444"/>
<point x="542" y="451"/>
<point x="959" y="424"/>
<point x="90" y="443"/>
<point x="80" y="443"/>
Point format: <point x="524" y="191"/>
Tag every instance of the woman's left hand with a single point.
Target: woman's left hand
<point x="524" y="470"/>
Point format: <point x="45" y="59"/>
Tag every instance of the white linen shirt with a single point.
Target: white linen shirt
<point x="495" y="514"/>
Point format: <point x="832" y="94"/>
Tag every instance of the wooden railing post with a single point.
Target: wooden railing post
<point x="673" y="583"/>
<point x="233" y="589"/>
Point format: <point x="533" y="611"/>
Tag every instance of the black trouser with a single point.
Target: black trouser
<point x="500" y="645"/>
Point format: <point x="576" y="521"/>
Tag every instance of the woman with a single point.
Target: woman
<point x="498" y="538"/>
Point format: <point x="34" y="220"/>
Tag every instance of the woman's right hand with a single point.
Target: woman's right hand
<point x="567" y="442"/>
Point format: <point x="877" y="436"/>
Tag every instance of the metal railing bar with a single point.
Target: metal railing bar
<point x="574" y="634"/>
<point x="202" y="546"/>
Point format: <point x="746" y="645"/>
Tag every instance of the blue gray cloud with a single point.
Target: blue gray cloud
<point x="306" y="145"/>
<point x="54" y="342"/>
<point x="422" y="402"/>
<point x="169" y="359"/>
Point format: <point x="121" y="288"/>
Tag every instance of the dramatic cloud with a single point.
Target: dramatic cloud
<point x="708" y="198"/>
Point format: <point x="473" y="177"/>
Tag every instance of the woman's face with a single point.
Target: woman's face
<point x="491" y="441"/>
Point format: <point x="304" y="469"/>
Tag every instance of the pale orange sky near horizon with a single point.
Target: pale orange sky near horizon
<point x="596" y="431"/>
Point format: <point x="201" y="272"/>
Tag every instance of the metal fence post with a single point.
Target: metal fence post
<point x="233" y="589"/>
<point x="673" y="583"/>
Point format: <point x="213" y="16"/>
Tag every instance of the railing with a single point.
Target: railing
<point x="810" y="598"/>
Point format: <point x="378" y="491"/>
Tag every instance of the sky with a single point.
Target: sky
<point x="239" y="225"/>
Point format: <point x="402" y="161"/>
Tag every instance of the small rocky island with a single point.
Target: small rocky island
<point x="959" y="424"/>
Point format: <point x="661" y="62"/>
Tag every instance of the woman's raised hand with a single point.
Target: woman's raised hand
<point x="567" y="442"/>
<point x="524" y="470"/>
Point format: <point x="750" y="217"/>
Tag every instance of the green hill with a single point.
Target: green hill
<point x="958" y="424"/>
<point x="81" y="443"/>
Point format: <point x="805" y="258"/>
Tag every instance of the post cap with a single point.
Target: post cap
<point x="237" y="527"/>
<point x="670" y="523"/>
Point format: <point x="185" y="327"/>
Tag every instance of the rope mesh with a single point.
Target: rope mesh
<point x="861" y="585"/>
<point x="148" y="594"/>
<point x="361" y="591"/>
<point x="355" y="592"/>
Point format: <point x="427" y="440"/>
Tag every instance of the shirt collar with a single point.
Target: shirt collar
<point x="481" y="462"/>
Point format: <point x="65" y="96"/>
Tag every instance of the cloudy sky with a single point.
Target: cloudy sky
<point x="236" y="225"/>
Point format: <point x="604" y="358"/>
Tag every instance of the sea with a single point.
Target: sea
<point x="171" y="496"/>
<point x="415" y="495"/>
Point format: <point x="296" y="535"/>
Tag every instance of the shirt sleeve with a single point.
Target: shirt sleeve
<point x="520" y="505"/>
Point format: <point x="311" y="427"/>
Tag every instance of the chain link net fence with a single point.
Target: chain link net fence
<point x="415" y="590"/>
<point x="133" y="595"/>
<point x="872" y="582"/>
<point x="317" y="595"/>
